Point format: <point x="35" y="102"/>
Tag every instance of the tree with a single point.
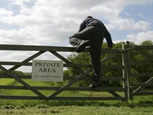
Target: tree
<point x="142" y="60"/>
<point x="109" y="69"/>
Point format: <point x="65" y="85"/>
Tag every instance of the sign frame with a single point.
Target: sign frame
<point x="47" y="70"/>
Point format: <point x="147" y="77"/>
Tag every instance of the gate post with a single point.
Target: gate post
<point x="125" y="71"/>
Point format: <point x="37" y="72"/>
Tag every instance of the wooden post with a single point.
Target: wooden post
<point x="130" y="88"/>
<point x="125" y="72"/>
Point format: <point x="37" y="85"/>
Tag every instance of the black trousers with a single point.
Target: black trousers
<point x="95" y="37"/>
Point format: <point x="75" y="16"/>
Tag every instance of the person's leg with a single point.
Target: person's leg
<point x="95" y="53"/>
<point x="84" y="36"/>
<point x="80" y="44"/>
<point x="74" y="41"/>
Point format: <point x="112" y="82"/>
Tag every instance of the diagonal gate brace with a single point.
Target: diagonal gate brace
<point x="7" y="72"/>
<point x="27" y="60"/>
<point x="140" y="87"/>
<point x="69" y="84"/>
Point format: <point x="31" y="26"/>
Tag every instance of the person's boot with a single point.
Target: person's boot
<point x="96" y="83"/>
<point x="82" y="45"/>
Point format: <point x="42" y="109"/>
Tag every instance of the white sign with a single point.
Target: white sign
<point x="47" y="70"/>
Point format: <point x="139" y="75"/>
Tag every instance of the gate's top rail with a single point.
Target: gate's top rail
<point x="140" y="47"/>
<point x="35" y="48"/>
<point x="48" y="48"/>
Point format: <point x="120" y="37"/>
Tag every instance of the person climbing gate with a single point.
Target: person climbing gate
<point x="91" y="33"/>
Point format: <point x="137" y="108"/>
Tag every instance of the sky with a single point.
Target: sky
<point x="51" y="22"/>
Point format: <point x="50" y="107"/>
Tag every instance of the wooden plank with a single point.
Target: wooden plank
<point x="99" y="89"/>
<point x="30" y="64"/>
<point x="112" y="92"/>
<point x="27" y="60"/>
<point x="19" y="76"/>
<point x="60" y="48"/>
<point x="143" y="47"/>
<point x="29" y="77"/>
<point x="147" y="82"/>
<point x="108" y="58"/>
<point x="112" y="66"/>
<point x="61" y="98"/>
<point x="60" y="57"/>
<point x="127" y="49"/>
<point x="35" y="48"/>
<point x="125" y="71"/>
<point x="65" y="77"/>
<point x="22" y="82"/>
<point x="69" y="84"/>
<point x="20" y="97"/>
<point x="66" y="61"/>
<point x="141" y="84"/>
<point x="143" y="93"/>
<point x="112" y="79"/>
<point x="128" y="82"/>
<point x="48" y="48"/>
<point x="65" y="65"/>
<point x="143" y="74"/>
<point x="15" y="63"/>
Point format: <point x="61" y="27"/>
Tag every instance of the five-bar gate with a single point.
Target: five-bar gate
<point x="68" y="90"/>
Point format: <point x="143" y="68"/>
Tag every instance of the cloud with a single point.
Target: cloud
<point x="130" y="24"/>
<point x="4" y="12"/>
<point x="140" y="37"/>
<point x="51" y="22"/>
<point x="40" y="21"/>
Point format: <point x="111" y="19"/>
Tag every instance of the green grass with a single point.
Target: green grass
<point x="75" y="110"/>
<point x="4" y="81"/>
<point x="141" y="105"/>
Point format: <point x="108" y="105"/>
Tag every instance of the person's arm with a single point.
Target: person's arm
<point x="108" y="38"/>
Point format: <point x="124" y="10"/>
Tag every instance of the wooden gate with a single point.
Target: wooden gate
<point x="49" y="92"/>
<point x="140" y="70"/>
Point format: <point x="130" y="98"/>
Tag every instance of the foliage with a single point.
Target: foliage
<point x="84" y="58"/>
<point x="142" y="62"/>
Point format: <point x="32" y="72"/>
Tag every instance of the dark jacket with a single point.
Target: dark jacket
<point x="95" y="22"/>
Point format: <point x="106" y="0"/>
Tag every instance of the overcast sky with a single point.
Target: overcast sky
<point x="51" y="22"/>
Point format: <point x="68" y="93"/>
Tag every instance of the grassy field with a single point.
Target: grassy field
<point x="80" y="108"/>
<point x="77" y="110"/>
<point x="142" y="105"/>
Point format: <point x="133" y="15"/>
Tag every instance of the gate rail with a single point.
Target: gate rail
<point x="138" y="87"/>
<point x="127" y="91"/>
